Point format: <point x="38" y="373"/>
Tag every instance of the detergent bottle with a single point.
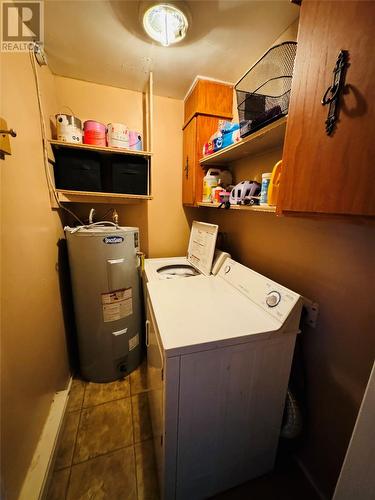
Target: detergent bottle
<point x="273" y="190"/>
<point x="210" y="181"/>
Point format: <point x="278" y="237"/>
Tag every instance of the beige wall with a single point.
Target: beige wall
<point x="168" y="227"/>
<point x="330" y="262"/>
<point x="163" y="227"/>
<point x="34" y="355"/>
<point x="33" y="351"/>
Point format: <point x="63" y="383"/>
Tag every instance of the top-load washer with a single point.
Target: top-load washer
<point x="201" y="257"/>
<point x="219" y="352"/>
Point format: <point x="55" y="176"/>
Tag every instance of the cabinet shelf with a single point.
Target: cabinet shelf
<point x="253" y="208"/>
<point x="98" y="149"/>
<point x="70" y="196"/>
<point x="266" y="138"/>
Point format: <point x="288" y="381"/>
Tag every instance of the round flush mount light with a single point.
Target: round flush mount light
<point x="165" y="23"/>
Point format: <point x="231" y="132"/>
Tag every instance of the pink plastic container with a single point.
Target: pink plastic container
<point x="94" y="133"/>
<point x="135" y="140"/>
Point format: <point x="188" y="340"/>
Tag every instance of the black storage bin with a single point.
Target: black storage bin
<point x="130" y="175"/>
<point x="78" y="172"/>
<point x="263" y="93"/>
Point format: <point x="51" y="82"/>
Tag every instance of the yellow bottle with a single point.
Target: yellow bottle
<point x="273" y="188"/>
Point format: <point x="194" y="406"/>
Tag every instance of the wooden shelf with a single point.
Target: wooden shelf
<point x="260" y="141"/>
<point x="98" y="149"/>
<point x="253" y="208"/>
<point x="66" y="196"/>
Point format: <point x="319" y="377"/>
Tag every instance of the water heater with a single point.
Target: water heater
<point x="106" y="293"/>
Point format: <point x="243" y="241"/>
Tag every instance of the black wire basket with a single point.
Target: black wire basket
<point x="263" y="92"/>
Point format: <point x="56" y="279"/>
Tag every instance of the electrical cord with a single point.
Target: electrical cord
<point x="95" y="224"/>
<point x="47" y="172"/>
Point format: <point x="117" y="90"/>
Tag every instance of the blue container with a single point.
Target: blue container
<point x="266" y="179"/>
<point x="218" y="143"/>
<point x="228" y="134"/>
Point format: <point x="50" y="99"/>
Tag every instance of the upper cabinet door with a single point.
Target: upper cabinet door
<point x="331" y="174"/>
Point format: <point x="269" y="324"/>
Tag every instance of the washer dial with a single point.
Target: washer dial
<point x="273" y="298"/>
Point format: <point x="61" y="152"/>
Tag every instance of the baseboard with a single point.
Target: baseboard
<point x="36" y="480"/>
<point x="310" y="479"/>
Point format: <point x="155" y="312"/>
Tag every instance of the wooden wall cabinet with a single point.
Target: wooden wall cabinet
<point x="331" y="174"/>
<point x="196" y="134"/>
<point x="205" y="105"/>
<point x="211" y="98"/>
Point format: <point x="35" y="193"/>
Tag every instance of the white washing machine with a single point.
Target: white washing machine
<point x="219" y="352"/>
<point x="201" y="257"/>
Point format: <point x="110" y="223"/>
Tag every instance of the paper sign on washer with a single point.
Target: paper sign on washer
<point x="117" y="304"/>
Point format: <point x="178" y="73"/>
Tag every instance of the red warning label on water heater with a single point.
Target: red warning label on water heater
<point x="117" y="304"/>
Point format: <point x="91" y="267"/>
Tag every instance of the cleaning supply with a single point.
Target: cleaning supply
<point x="94" y="133"/>
<point x="117" y="135"/>
<point x="217" y="142"/>
<point x="273" y="189"/>
<point x="266" y="178"/>
<point x="208" y="148"/>
<point x="68" y="128"/>
<point x="215" y="193"/>
<point x="210" y="181"/>
<point x="231" y="133"/>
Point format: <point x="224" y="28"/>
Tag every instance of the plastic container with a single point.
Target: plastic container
<point x="231" y="136"/>
<point x="94" y="133"/>
<point x="68" y="128"/>
<point x="130" y="176"/>
<point x="135" y="140"/>
<point x="210" y="181"/>
<point x="215" y="194"/>
<point x="118" y="135"/>
<point x="76" y="172"/>
<point x="266" y="179"/>
<point x="273" y="189"/>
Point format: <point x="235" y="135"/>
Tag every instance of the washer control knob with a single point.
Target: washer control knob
<point x="273" y="298"/>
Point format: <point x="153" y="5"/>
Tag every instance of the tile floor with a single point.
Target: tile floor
<point x="105" y="450"/>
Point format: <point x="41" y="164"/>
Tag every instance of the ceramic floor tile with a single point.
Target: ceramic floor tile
<point x="76" y="394"/>
<point x="102" y="393"/>
<point x="59" y="485"/>
<point x="146" y="471"/>
<point x="109" y="477"/>
<point x="66" y="444"/>
<point x="104" y="428"/>
<point x="141" y="418"/>
<point x="138" y="379"/>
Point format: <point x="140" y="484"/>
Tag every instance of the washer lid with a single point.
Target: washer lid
<point x="201" y="313"/>
<point x="202" y="246"/>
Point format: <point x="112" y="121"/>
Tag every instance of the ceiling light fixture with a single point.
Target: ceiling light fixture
<point x="165" y="23"/>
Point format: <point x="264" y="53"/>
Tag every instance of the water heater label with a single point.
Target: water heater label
<point x="117" y="304"/>
<point x="113" y="240"/>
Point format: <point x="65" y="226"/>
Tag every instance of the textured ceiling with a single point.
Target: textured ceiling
<point x="103" y="42"/>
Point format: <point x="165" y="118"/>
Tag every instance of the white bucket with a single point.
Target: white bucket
<point x="117" y="135"/>
<point x="68" y="128"/>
